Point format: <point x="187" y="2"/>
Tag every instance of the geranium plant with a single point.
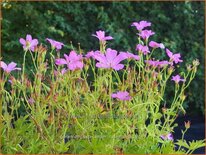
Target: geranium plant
<point x="104" y="101"/>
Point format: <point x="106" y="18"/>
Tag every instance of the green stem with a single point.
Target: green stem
<point x="23" y="67"/>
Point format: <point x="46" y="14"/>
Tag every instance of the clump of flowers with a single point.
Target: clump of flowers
<point x="98" y="102"/>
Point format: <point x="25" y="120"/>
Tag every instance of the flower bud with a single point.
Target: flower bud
<point x="170" y="69"/>
<point x="189" y="67"/>
<point x="160" y="77"/>
<point x="196" y="62"/>
<point x="187" y="124"/>
<point x="86" y="66"/>
<point x="183" y="97"/>
<point x="164" y="110"/>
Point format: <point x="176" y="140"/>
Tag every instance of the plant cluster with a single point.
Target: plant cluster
<point x="67" y="22"/>
<point x="106" y="101"/>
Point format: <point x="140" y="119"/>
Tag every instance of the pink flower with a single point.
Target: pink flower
<point x="174" y="57"/>
<point x="121" y="95"/>
<point x="177" y="79"/>
<point x="55" y="44"/>
<point x="129" y="55"/>
<point x="153" y="63"/>
<point x="141" y="25"/>
<point x="157" y="63"/>
<point x="142" y="49"/>
<point x="167" y="137"/>
<point x="101" y="36"/>
<point x="92" y="54"/>
<point x="163" y="63"/>
<point x="73" y="61"/>
<point x="62" y="72"/>
<point x="145" y="34"/>
<point x="31" y="100"/>
<point x="154" y="44"/>
<point x="8" y="68"/>
<point x="110" y="59"/>
<point x="29" y="43"/>
<point x="61" y="61"/>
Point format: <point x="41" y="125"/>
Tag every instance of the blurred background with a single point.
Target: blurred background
<point x="179" y="25"/>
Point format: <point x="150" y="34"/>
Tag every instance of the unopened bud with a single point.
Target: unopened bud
<point x="164" y="110"/>
<point x="187" y="124"/>
<point x="160" y="77"/>
<point x="196" y="62"/>
<point x="183" y="97"/>
<point x="189" y="67"/>
<point x="170" y="70"/>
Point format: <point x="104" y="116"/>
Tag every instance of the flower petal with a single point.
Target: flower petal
<point x="28" y="37"/>
<point x="110" y="54"/>
<point x="169" y="53"/>
<point x="108" y="38"/>
<point x="119" y="58"/>
<point x="34" y="43"/>
<point x="22" y="41"/>
<point x="102" y="65"/>
<point x="12" y="65"/>
<point x="118" y="67"/>
<point x="3" y="65"/>
<point x="60" y="61"/>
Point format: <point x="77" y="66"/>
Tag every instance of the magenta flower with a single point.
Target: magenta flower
<point x="177" y="79"/>
<point x="157" y="63"/>
<point x="154" y="44"/>
<point x="55" y="44"/>
<point x="153" y="63"/>
<point x="121" y="95"/>
<point x="129" y="55"/>
<point x="143" y="49"/>
<point x="73" y="61"/>
<point x="141" y="25"/>
<point x="167" y="137"/>
<point x="110" y="59"/>
<point x="92" y="54"/>
<point x="145" y="34"/>
<point x="31" y="100"/>
<point x="101" y="36"/>
<point x="174" y="57"/>
<point x="163" y="63"/>
<point x="29" y="43"/>
<point x="62" y="72"/>
<point x="8" y="68"/>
